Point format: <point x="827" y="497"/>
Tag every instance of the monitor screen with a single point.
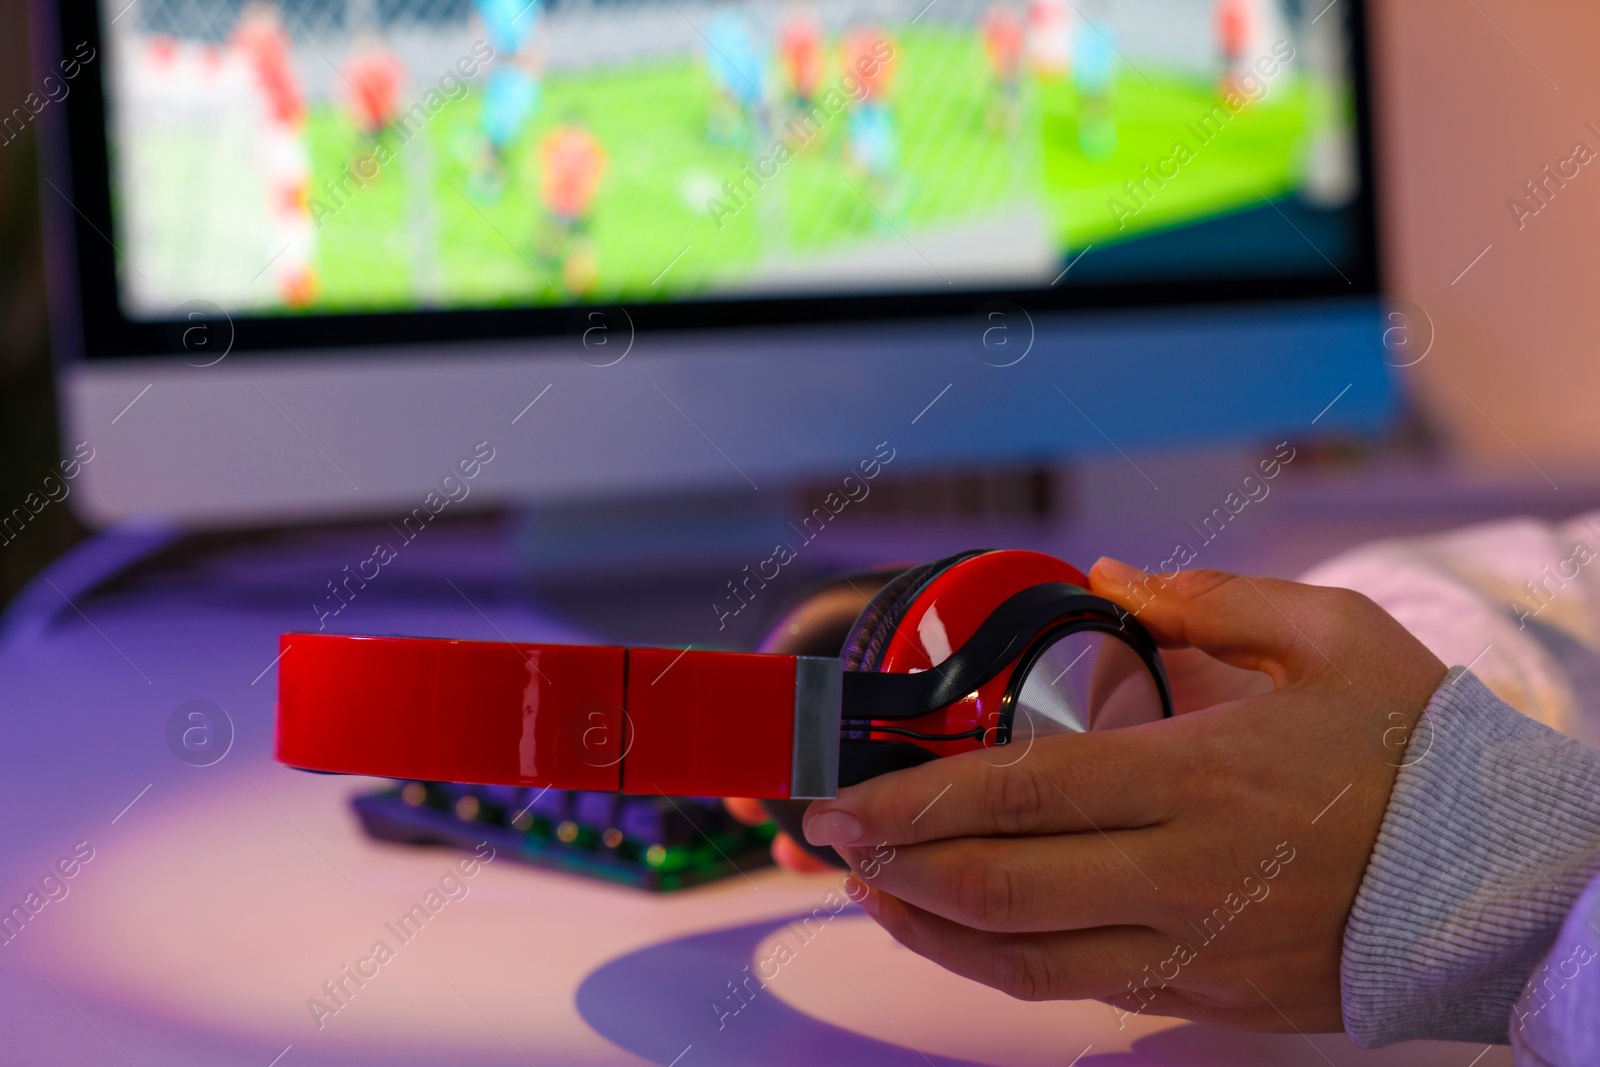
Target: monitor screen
<point x="489" y="167"/>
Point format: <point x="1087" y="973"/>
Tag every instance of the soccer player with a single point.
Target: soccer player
<point x="572" y="163"/>
<point x="1233" y="41"/>
<point x="800" y="56"/>
<point x="1094" y="72"/>
<point x="1049" y="38"/>
<point x="1003" y="45"/>
<point x="511" y="96"/>
<point x="738" y="60"/>
<point x="871" y="55"/>
<point x="373" y="77"/>
<point x="800" y="53"/>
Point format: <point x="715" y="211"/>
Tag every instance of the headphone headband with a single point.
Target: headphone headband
<point x="608" y="719"/>
<point x="646" y="720"/>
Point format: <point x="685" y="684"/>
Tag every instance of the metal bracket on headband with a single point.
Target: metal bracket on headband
<point x="1002" y="637"/>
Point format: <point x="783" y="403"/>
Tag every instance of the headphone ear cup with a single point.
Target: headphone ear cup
<point x="868" y="639"/>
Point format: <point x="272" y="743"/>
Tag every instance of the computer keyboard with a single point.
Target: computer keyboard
<point x="653" y="842"/>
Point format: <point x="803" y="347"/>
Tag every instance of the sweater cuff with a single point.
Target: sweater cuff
<point x="1492" y="832"/>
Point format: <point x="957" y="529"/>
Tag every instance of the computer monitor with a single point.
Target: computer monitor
<point x="308" y="257"/>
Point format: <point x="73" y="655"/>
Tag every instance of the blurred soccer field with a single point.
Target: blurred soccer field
<point x="425" y="224"/>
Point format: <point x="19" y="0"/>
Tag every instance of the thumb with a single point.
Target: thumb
<point x="1259" y="624"/>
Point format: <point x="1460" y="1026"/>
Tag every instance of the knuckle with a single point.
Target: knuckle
<point x="1339" y="621"/>
<point x="1350" y="605"/>
<point x="1351" y="602"/>
<point x="1017" y="799"/>
<point x="1194" y="584"/>
<point x="989" y="896"/>
<point x="1022" y="970"/>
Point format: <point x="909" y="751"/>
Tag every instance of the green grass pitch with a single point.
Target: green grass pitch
<point x="424" y="232"/>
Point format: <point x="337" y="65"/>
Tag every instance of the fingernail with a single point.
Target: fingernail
<point x="1116" y="570"/>
<point x="833" y="828"/>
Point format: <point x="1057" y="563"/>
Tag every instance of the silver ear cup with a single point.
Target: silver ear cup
<point x="1080" y="680"/>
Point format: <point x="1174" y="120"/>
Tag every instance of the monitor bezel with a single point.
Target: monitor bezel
<point x="86" y="268"/>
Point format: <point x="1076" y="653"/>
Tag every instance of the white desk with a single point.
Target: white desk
<point x="220" y="898"/>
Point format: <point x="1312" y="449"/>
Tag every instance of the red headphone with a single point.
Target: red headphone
<point x="981" y="650"/>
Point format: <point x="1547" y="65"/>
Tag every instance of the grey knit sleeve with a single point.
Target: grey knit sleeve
<point x="1491" y="835"/>
<point x="1557" y="1021"/>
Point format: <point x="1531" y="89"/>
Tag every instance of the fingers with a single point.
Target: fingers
<point x="1072" y="965"/>
<point x="1260" y="624"/>
<point x="1063" y="784"/>
<point x="1022" y="885"/>
<point x="788" y="854"/>
<point x="748" y="811"/>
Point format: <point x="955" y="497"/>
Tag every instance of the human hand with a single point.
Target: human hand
<point x="1196" y="680"/>
<point x="1202" y="866"/>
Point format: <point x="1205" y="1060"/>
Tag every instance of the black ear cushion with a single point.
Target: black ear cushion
<point x="864" y="646"/>
<point x="864" y="643"/>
